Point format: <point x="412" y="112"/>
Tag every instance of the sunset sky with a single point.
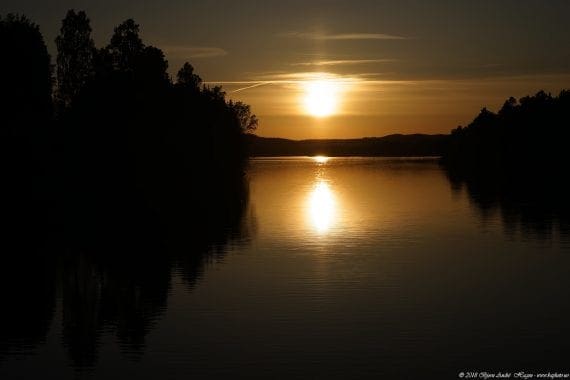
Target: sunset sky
<point x="343" y="69"/>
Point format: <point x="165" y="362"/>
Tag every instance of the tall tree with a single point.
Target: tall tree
<point x="25" y="120"/>
<point x="126" y="46"/>
<point x="186" y="77"/>
<point x="151" y="68"/>
<point x="25" y="73"/>
<point x="75" y="55"/>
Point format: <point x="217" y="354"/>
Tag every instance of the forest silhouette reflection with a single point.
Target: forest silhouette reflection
<point x="534" y="205"/>
<point x="110" y="278"/>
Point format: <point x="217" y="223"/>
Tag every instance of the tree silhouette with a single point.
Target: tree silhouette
<point x="125" y="46"/>
<point x="187" y="79"/>
<point x="242" y="112"/>
<point x="528" y="136"/>
<point x="150" y="69"/>
<point x="75" y="56"/>
<point x="25" y="73"/>
<point x="26" y="111"/>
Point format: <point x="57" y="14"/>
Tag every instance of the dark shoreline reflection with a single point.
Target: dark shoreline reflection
<point x="110" y="261"/>
<point x="529" y="204"/>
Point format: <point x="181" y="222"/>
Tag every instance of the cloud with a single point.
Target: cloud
<point x="289" y="79"/>
<point x="296" y="77"/>
<point x="343" y="36"/>
<point x="194" y="51"/>
<point x="339" y="62"/>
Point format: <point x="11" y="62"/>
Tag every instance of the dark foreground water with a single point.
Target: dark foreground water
<point x="338" y="268"/>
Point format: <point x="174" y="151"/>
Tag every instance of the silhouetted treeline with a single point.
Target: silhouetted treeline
<point x="527" y="135"/>
<point x="114" y="176"/>
<point x="416" y="145"/>
<point x="127" y="126"/>
<point x="117" y="133"/>
<point x="514" y="162"/>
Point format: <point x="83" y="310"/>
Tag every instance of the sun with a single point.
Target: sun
<point x="321" y="98"/>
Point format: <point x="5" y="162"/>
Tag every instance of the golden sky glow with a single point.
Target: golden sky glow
<point x="348" y="68"/>
<point x="292" y="105"/>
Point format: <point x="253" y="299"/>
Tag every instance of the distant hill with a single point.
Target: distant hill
<point x="397" y="145"/>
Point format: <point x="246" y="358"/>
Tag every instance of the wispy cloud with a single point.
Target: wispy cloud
<point x="338" y="62"/>
<point x="300" y="77"/>
<point x="194" y="51"/>
<point x="342" y="36"/>
<point x="285" y="79"/>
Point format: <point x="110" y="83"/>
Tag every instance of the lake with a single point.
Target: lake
<point x="337" y="268"/>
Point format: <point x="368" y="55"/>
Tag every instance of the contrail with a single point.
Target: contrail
<point x="252" y="86"/>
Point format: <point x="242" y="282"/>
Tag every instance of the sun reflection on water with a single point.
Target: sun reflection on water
<point x="321" y="159"/>
<point x="322" y="207"/>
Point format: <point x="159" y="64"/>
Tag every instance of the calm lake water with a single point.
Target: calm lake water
<point x="341" y="268"/>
